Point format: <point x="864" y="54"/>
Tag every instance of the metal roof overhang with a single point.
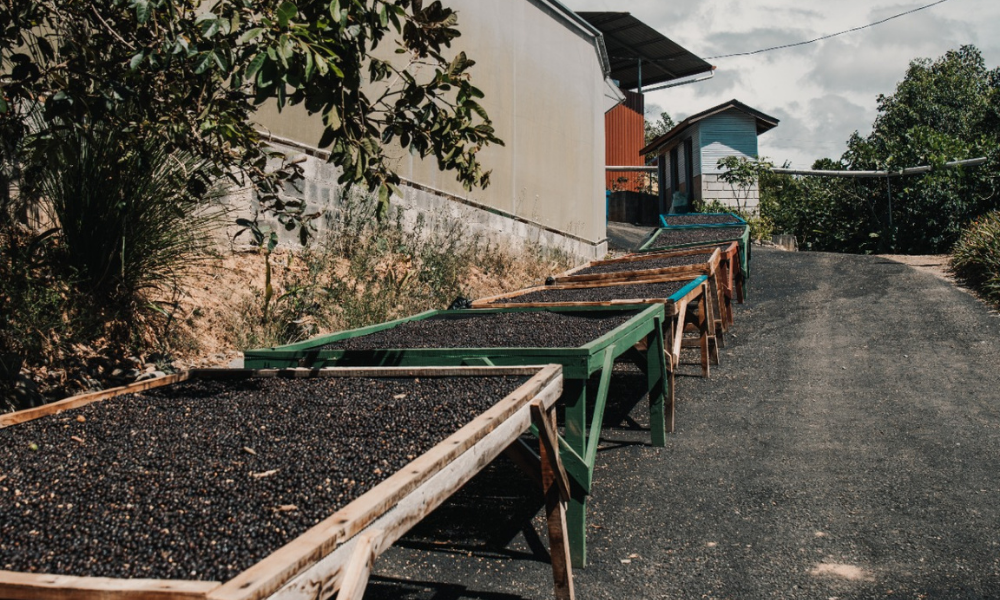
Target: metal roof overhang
<point x="629" y="41"/>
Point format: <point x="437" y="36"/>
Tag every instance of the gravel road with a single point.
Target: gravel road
<point x="847" y="447"/>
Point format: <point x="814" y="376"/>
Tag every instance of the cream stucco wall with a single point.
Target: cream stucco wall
<point x="544" y="87"/>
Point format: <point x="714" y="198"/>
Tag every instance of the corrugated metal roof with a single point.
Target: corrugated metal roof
<point x="628" y="40"/>
<point x="764" y="123"/>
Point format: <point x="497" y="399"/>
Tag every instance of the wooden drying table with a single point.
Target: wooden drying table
<point x="336" y="555"/>
<point x="736" y="220"/>
<point x="737" y="262"/>
<point x="632" y="268"/>
<point x="675" y="307"/>
<point x="658" y="242"/>
<point x="639" y="339"/>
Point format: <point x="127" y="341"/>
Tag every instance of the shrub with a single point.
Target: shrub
<point x="761" y="226"/>
<point x="132" y="218"/>
<point x="976" y="256"/>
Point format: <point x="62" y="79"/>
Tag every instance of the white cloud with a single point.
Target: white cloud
<point x="822" y="92"/>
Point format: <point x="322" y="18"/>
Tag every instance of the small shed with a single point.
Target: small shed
<point x="688" y="155"/>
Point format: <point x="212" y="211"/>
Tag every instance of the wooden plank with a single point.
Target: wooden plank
<point x="490" y="302"/>
<point x="549" y="441"/>
<point x="555" y="487"/>
<point x="323" y="577"/>
<point x="712" y="258"/>
<point x="30" y="414"/>
<point x="306" y="373"/>
<point x="360" y="567"/>
<point x="31" y="586"/>
<point x="307" y="550"/>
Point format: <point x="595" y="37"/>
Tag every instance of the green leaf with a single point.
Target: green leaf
<point x="209" y="28"/>
<point x="286" y="11"/>
<point x="250" y="35"/>
<point x="310" y="65"/>
<point x="255" y="65"/>
<point x="204" y="61"/>
<point x="142" y="11"/>
<point x="332" y="118"/>
<point x="4" y="107"/>
<point x="136" y="61"/>
<point x="221" y="62"/>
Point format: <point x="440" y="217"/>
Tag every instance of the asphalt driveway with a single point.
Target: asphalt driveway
<point x="847" y="447"/>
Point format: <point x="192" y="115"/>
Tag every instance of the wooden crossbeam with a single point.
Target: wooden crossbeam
<point x="359" y="569"/>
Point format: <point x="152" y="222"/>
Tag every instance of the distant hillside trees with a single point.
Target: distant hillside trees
<point x="943" y="110"/>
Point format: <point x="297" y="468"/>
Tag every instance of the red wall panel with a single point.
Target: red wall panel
<point x="624" y="130"/>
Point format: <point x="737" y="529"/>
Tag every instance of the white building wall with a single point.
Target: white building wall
<point x="544" y="85"/>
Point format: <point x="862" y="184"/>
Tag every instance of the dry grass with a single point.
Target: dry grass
<point x="221" y="310"/>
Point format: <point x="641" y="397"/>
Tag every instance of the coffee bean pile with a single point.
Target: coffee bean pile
<point x="700" y="219"/>
<point x="536" y="329"/>
<point x="660" y="262"/>
<point x="203" y="479"/>
<point x="674" y="237"/>
<point x="637" y="291"/>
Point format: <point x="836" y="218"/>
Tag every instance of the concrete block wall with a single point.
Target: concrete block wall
<point x="322" y="194"/>
<point x="713" y="188"/>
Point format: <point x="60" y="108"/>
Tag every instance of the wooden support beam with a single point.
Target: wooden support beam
<point x="549" y="441"/>
<point x="359" y="568"/>
<point x="555" y="486"/>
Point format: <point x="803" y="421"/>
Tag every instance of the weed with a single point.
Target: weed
<point x="761" y="226"/>
<point x="368" y="271"/>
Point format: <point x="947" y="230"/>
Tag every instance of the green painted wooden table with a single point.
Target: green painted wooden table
<point x="582" y="428"/>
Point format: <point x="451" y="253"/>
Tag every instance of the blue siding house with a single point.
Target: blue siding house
<point x="688" y="155"/>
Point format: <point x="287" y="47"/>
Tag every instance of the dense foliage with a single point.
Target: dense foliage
<point x="654" y="129"/>
<point x="119" y="118"/>
<point x="943" y="110"/>
<point x="194" y="74"/>
<point x="976" y="258"/>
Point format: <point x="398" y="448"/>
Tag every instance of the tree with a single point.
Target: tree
<point x="742" y="174"/>
<point x="655" y="129"/>
<point x="192" y="74"/>
<point x="942" y="110"/>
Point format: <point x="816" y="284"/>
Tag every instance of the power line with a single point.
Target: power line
<point x="826" y="37"/>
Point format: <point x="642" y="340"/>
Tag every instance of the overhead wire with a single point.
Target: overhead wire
<point x="832" y="35"/>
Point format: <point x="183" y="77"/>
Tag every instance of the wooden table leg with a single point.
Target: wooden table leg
<point x="576" y="438"/>
<point x="556" y="488"/>
<point x="352" y="586"/>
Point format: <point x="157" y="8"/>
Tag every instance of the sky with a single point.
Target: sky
<point x="821" y="92"/>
